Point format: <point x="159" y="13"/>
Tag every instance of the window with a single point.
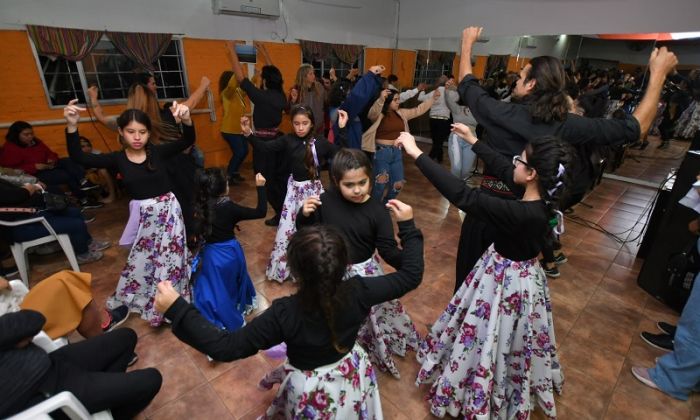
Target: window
<point x="341" y="68"/>
<point x="113" y="74"/>
<point x="430" y="72"/>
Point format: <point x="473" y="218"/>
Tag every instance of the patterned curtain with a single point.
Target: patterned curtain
<point x="443" y="57"/>
<point x="143" y="48"/>
<point x="348" y="53"/>
<point x="71" y="44"/>
<point x="315" y="51"/>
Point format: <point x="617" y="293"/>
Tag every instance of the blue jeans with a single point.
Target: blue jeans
<point x="69" y="221"/>
<point x="239" y="147"/>
<point x="461" y="156"/>
<point x="678" y="373"/>
<point x="388" y="173"/>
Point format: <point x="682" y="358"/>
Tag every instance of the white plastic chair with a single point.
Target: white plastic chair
<point x="64" y="401"/>
<point x="19" y="249"/>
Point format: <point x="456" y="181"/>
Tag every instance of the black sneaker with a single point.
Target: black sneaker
<point x="89" y="219"/>
<point x="274" y="221"/>
<point x="8" y="271"/>
<point x="236" y="178"/>
<point x="134" y="359"/>
<point x="86" y="185"/>
<point x="87" y="203"/>
<point x="116" y="317"/>
<point x="660" y="341"/>
<point x="560" y="259"/>
<point x="666" y="328"/>
<point x="551" y="272"/>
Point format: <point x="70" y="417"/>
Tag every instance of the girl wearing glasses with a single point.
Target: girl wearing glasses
<point x="492" y="351"/>
<point x="304" y="154"/>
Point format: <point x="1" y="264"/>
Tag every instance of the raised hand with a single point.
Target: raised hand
<point x="181" y="113"/>
<point x="464" y="132"/>
<point x="310" y="205"/>
<point x="342" y="118"/>
<point x="246" y="128"/>
<point x="471" y="34"/>
<point x="71" y="113"/>
<point x="422" y="86"/>
<point x="331" y="74"/>
<point x="401" y="210"/>
<point x="662" y="61"/>
<point x="293" y="95"/>
<point x="408" y="142"/>
<point x="259" y="180"/>
<point x="384" y="93"/>
<point x="205" y="82"/>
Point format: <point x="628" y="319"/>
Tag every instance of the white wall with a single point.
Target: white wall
<point x="447" y="18"/>
<point x="372" y="24"/>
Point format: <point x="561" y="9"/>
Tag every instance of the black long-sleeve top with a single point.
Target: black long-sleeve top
<point x="294" y="149"/>
<point x="510" y="126"/>
<point x="140" y="182"/>
<point x="269" y="105"/>
<point x="227" y="214"/>
<point x="14" y="196"/>
<point x="364" y="226"/>
<point x="518" y="226"/>
<point x="305" y="331"/>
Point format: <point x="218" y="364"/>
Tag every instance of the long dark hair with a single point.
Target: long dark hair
<point x="387" y="102"/>
<point x="209" y="186"/>
<point x="548" y="98"/>
<point x="140" y="117"/>
<point x="545" y="154"/>
<point x="318" y="259"/>
<point x="224" y="79"/>
<point x="347" y="160"/>
<point x="273" y="78"/>
<point x="309" y="155"/>
<point x="13" y="132"/>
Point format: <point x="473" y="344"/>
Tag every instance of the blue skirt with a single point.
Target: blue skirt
<point x="223" y="291"/>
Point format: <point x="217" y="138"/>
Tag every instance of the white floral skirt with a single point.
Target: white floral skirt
<point x="388" y="330"/>
<point x="492" y="352"/>
<point x="297" y="192"/>
<point x="347" y="389"/>
<point x="158" y="253"/>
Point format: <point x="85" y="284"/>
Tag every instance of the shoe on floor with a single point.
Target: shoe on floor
<point x="659" y="341"/>
<point x="88" y="203"/>
<point x="99" y="245"/>
<point x="86" y="185"/>
<point x="115" y="318"/>
<point x="274" y="221"/>
<point x="560" y="259"/>
<point x="666" y="328"/>
<point x="47" y="249"/>
<point x="551" y="272"/>
<point x="642" y="375"/>
<point x="9" y="271"/>
<point x="88" y="219"/>
<point x="90" y="256"/>
<point x="236" y="178"/>
<point x="134" y="359"/>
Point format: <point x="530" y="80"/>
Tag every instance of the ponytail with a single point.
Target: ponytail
<point x="551" y="158"/>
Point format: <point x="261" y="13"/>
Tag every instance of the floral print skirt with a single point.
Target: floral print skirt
<point x="297" y="192"/>
<point x="158" y="253"/>
<point x="492" y="352"/>
<point x="347" y="389"/>
<point x="688" y="122"/>
<point x="388" y="330"/>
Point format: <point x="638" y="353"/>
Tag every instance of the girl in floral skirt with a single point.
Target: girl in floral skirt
<point x="327" y="374"/>
<point x="304" y="154"/>
<point x="366" y="225"/>
<point x="155" y="230"/>
<point x="492" y="352"/>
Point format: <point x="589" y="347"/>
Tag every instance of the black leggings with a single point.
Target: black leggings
<point x="94" y="370"/>
<point x="65" y="172"/>
<point x="439" y="131"/>
<point x="272" y="166"/>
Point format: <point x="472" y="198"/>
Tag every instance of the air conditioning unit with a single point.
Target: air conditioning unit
<point x="269" y="9"/>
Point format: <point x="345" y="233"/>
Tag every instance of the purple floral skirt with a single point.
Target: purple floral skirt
<point x="492" y="352"/>
<point x="158" y="253"/>
<point x="297" y="192"/>
<point x="388" y="330"/>
<point x="347" y="389"/>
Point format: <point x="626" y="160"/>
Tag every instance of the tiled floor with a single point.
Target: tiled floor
<point x="599" y="310"/>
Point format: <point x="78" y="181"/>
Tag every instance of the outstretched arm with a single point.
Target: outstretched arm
<point x="469" y="37"/>
<point x="233" y="59"/>
<point x="109" y="122"/>
<point x="198" y="94"/>
<point x="661" y="63"/>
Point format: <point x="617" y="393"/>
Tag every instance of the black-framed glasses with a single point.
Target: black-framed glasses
<point x="517" y="159"/>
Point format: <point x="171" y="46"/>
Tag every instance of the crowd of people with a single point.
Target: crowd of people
<point x="492" y="352"/>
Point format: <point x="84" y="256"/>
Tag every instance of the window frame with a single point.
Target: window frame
<point x="323" y="63"/>
<point x="84" y="83"/>
<point x="417" y="78"/>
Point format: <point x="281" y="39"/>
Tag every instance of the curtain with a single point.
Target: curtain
<point x="495" y="63"/>
<point x="316" y="51"/>
<point x="143" y="48"/>
<point x="71" y="44"/>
